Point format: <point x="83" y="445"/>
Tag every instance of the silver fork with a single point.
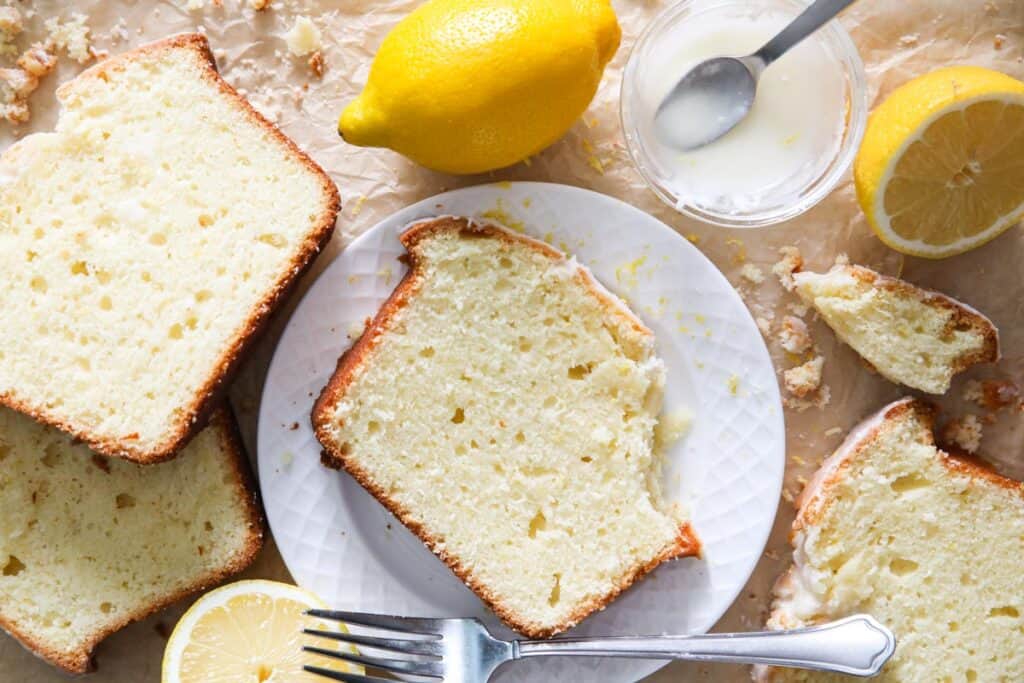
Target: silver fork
<point x="464" y="651"/>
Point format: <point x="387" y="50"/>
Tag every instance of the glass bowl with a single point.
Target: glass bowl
<point x="650" y="66"/>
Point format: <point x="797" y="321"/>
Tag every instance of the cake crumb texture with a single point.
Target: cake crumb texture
<point x="89" y="544"/>
<point x="143" y="244"/>
<point x="928" y="544"/>
<point x="804" y="379"/>
<point x="964" y="433"/>
<point x="523" y="451"/>
<point x="911" y="336"/>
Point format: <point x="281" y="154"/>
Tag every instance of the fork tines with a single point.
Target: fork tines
<point x="428" y="649"/>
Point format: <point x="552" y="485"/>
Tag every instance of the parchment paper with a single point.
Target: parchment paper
<point x="897" y="40"/>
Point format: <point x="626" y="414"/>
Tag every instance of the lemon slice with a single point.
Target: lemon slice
<point x="941" y="166"/>
<point x="248" y="631"/>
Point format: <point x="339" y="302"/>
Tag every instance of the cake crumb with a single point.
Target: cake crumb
<point x="805" y="379"/>
<point x="36" y="61"/>
<point x="10" y="28"/>
<point x="15" y="87"/>
<point x="259" y="5"/>
<point x="843" y="259"/>
<point x="119" y="32"/>
<point x="964" y="432"/>
<point x="693" y="237"/>
<point x="733" y="383"/>
<point x="794" y="336"/>
<point x="72" y="36"/>
<point x="752" y="273"/>
<point x="818" y="399"/>
<point x="316" y="64"/>
<point x="790" y="262"/>
<point x="672" y="426"/>
<point x="992" y="394"/>
<point x="798" y="309"/>
<point x="833" y="431"/>
<point x="764" y="325"/>
<point x="998" y="41"/>
<point x="303" y="38"/>
<point x="909" y="40"/>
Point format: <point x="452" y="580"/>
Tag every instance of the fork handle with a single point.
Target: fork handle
<point x="856" y="645"/>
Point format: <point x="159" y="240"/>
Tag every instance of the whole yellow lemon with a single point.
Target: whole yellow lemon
<point x="466" y="86"/>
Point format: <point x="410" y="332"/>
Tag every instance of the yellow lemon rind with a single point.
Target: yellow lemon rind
<point x="901" y="120"/>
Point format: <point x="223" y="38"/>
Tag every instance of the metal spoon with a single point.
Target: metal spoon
<point x="718" y="93"/>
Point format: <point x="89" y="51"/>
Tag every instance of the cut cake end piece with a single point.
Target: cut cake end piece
<point x="146" y="242"/>
<point x="91" y="544"/>
<point x="912" y="336"/>
<point x="502" y="404"/>
<point x="926" y="542"/>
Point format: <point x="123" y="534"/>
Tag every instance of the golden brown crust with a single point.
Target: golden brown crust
<point x="352" y="360"/>
<point x="81" y="661"/>
<point x="962" y="316"/>
<point x="194" y="416"/>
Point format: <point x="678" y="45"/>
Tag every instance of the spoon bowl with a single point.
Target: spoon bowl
<point x="707" y="102"/>
<point x="714" y="96"/>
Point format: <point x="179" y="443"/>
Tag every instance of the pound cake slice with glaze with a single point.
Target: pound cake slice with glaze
<point x="90" y="544"/>
<point x="929" y="544"/>
<point x="143" y="245"/>
<point x="912" y="336"/>
<point x="502" y="404"/>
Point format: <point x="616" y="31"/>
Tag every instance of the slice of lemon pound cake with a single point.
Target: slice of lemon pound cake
<point x="90" y="544"/>
<point x="912" y="336"/>
<point x="503" y="404"/>
<point x="929" y="544"/>
<point x="143" y="244"/>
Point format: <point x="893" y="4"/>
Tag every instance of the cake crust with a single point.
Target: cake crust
<point x="961" y="316"/>
<point x="687" y="543"/>
<point x="196" y="414"/>
<point x="81" y="661"/>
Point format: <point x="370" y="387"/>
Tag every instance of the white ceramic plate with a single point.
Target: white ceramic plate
<point x="340" y="543"/>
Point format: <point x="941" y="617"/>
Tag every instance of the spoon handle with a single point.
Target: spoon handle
<point x="809" y="21"/>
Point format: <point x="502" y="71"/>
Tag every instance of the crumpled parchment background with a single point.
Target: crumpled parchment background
<point x="897" y="40"/>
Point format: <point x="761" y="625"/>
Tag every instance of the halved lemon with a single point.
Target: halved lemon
<point x="941" y="167"/>
<point x="248" y="631"/>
